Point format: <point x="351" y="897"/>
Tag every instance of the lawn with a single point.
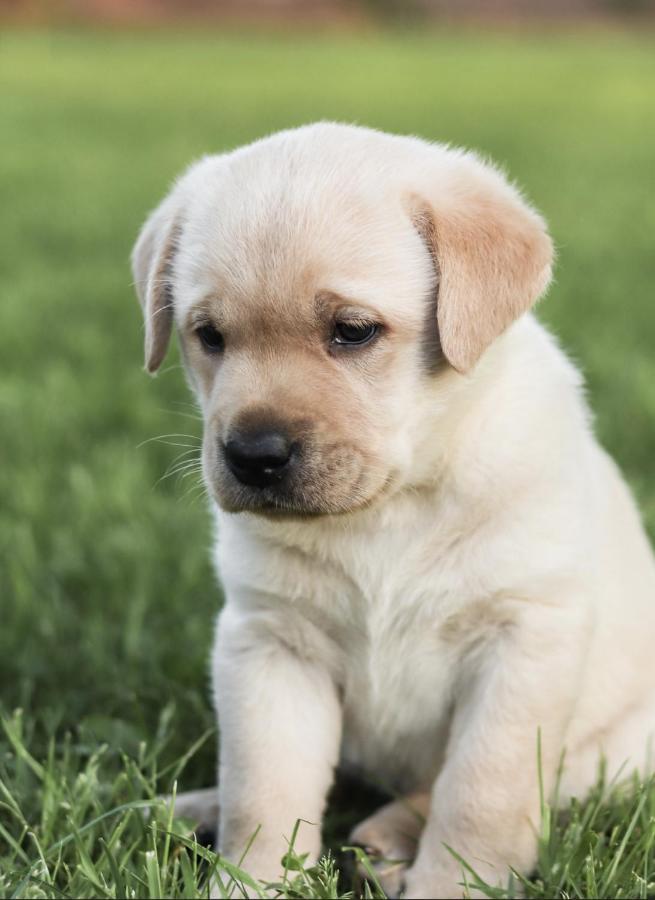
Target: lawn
<point x="106" y="588"/>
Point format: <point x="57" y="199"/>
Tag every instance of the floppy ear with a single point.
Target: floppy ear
<point x="492" y="253"/>
<point x="152" y="263"/>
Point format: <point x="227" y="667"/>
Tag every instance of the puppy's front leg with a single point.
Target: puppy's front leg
<point x="485" y="802"/>
<point x="280" y="731"/>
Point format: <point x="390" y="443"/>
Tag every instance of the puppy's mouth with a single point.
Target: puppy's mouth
<point x="273" y="507"/>
<point x="281" y="503"/>
<point x="297" y="496"/>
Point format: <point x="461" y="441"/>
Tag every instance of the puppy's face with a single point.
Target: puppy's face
<point x="305" y="325"/>
<point x="302" y="274"/>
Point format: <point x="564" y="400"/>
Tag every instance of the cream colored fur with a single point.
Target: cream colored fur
<point x="477" y="575"/>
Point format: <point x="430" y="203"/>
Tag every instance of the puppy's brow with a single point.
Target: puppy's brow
<point x="326" y="301"/>
<point x="329" y="302"/>
<point x="200" y="315"/>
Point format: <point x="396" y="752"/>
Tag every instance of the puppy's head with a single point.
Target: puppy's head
<point x="324" y="282"/>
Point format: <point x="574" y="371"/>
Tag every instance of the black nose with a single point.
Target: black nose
<point x="259" y="458"/>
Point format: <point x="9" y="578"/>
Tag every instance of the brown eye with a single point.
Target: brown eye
<point x="354" y="333"/>
<point x="211" y="339"/>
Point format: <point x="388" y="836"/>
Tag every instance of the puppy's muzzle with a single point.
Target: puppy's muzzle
<point x="260" y="458"/>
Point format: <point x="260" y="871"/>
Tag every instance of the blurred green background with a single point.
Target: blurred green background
<point x="105" y="583"/>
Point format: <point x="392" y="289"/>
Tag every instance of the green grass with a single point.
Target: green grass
<point x="105" y="585"/>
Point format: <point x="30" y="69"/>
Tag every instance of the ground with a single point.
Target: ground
<point x="107" y="591"/>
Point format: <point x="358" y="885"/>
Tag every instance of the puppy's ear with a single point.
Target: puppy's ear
<point x="152" y="263"/>
<point x="492" y="253"/>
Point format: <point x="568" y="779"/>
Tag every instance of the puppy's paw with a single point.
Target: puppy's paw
<point x="389" y="838"/>
<point x="389" y="873"/>
<point x="200" y="808"/>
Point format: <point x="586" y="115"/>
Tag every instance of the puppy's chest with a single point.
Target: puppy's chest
<point x="397" y="685"/>
<point x="397" y="622"/>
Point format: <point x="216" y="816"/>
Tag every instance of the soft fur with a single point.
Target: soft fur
<point x="457" y="569"/>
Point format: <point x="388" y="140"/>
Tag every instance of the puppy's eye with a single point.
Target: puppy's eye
<point x="354" y="333"/>
<point x="210" y="338"/>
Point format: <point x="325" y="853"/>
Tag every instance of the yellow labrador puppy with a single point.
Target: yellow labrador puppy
<point x="428" y="559"/>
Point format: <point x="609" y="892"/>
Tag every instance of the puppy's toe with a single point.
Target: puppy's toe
<point x="390" y="853"/>
<point x="390" y="838"/>
<point x="200" y="807"/>
<point x="391" y="876"/>
<point x="390" y="873"/>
